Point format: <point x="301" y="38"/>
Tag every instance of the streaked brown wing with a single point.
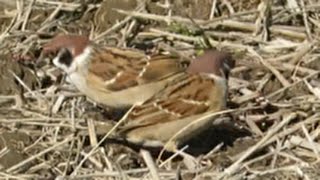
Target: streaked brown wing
<point x="161" y="67"/>
<point x="124" y="68"/>
<point x="187" y="95"/>
<point x="117" y="67"/>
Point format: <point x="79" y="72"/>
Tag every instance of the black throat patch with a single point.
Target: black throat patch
<point x="65" y="57"/>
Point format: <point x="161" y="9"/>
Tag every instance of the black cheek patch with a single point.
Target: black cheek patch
<point x="65" y="57"/>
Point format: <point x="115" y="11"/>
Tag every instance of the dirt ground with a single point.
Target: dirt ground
<point x="274" y="90"/>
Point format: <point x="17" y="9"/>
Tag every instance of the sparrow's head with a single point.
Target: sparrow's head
<point x="70" y="49"/>
<point x="214" y="62"/>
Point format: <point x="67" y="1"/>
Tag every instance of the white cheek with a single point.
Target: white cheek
<point x="83" y="59"/>
<point x="65" y="68"/>
<point x="222" y="83"/>
<point x="78" y="66"/>
<point x="59" y="65"/>
<point x="56" y="62"/>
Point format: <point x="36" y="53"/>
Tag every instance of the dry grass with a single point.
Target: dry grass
<point x="274" y="90"/>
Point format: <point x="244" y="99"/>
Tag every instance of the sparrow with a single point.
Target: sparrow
<point x="201" y="89"/>
<point x="116" y="77"/>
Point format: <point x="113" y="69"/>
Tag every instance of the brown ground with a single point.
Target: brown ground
<point x="276" y="80"/>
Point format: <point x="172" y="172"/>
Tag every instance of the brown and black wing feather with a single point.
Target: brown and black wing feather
<point x="187" y="95"/>
<point x="123" y="68"/>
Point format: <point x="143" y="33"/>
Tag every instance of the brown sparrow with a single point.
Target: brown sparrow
<point x="199" y="90"/>
<point x="112" y="76"/>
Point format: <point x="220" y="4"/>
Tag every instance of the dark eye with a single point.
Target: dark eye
<point x="65" y="57"/>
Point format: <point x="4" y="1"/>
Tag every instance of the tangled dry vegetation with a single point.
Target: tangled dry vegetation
<point x="49" y="130"/>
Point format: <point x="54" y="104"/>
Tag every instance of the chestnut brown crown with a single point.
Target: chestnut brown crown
<point x="74" y="43"/>
<point x="214" y="62"/>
